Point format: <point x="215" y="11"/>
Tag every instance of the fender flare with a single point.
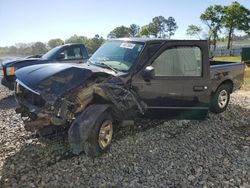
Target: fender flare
<point x="82" y="126"/>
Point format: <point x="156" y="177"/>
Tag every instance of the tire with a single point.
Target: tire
<point x="220" y="99"/>
<point x="93" y="146"/>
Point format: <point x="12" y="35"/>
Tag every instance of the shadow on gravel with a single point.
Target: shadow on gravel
<point x="8" y="102"/>
<point x="31" y="160"/>
<point x="243" y="115"/>
<point x="142" y="125"/>
<point x="34" y="157"/>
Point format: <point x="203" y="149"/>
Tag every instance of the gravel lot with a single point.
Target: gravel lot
<point x="210" y="153"/>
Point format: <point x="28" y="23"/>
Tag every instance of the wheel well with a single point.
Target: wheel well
<point x="229" y="83"/>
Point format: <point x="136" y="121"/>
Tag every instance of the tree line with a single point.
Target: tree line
<point x="23" y="49"/>
<point x="231" y="18"/>
<point x="159" y="27"/>
<point x="217" y="18"/>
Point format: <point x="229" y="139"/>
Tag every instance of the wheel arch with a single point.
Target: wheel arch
<point x="214" y="97"/>
<point x="81" y="128"/>
<point x="228" y="82"/>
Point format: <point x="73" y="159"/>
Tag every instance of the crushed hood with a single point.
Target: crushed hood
<point x="52" y="80"/>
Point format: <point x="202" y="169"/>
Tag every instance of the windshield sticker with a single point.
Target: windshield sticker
<point x="127" y="45"/>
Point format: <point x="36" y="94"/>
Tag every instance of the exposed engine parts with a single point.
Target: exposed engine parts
<point x="66" y="108"/>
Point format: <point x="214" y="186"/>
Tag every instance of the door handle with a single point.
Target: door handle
<point x="148" y="82"/>
<point x="199" y="88"/>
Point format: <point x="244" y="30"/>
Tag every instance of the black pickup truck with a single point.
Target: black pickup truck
<point x="124" y="79"/>
<point x="68" y="53"/>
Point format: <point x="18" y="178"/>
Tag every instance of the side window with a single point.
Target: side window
<point x="72" y="53"/>
<point x="151" y="50"/>
<point x="179" y="61"/>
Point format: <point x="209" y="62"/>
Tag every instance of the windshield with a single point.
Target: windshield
<point x="119" y="55"/>
<point x="50" y="53"/>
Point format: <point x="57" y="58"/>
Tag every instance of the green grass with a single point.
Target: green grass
<point x="229" y="59"/>
<point x="247" y="79"/>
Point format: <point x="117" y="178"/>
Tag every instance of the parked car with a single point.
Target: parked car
<point x="68" y="53"/>
<point x="124" y="79"/>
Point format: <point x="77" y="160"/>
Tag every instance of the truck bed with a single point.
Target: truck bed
<point x="222" y="63"/>
<point x="221" y="71"/>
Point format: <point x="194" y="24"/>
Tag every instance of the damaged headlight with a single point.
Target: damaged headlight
<point x="10" y="71"/>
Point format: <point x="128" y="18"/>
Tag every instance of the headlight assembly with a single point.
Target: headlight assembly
<point x="10" y="71"/>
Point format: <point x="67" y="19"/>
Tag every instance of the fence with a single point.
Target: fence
<point x="227" y="52"/>
<point x="222" y="51"/>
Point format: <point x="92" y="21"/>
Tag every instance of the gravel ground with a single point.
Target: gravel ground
<point x="210" y="153"/>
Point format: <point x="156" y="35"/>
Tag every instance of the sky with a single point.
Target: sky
<point x="25" y="21"/>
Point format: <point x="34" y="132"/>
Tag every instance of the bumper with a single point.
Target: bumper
<point x="7" y="84"/>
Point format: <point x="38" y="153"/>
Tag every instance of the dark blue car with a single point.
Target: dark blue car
<point x="68" y="53"/>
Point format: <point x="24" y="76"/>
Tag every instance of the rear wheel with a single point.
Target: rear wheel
<point x="220" y="99"/>
<point x="101" y="136"/>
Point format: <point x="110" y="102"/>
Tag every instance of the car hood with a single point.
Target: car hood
<point x="9" y="63"/>
<point x="53" y="80"/>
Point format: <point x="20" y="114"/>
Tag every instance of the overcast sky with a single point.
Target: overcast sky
<point x="33" y="20"/>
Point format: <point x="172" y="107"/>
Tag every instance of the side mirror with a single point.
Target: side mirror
<point x="148" y="73"/>
<point x="61" y="56"/>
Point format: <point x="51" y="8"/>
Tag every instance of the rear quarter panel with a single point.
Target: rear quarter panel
<point x="233" y="72"/>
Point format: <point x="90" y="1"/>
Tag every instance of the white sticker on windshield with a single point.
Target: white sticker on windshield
<point x="127" y="45"/>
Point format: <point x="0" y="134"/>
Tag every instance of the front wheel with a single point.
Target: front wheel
<point x="101" y="136"/>
<point x="220" y="99"/>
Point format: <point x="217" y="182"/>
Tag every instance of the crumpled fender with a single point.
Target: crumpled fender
<point x="80" y="129"/>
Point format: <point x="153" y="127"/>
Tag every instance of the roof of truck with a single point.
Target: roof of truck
<point x="70" y="44"/>
<point x="150" y="39"/>
<point x="139" y="39"/>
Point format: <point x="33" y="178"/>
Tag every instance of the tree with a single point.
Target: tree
<point x="119" y="32"/>
<point x="24" y="49"/>
<point x="236" y="17"/>
<point x="77" y="39"/>
<point x="55" y="42"/>
<point x="94" y="43"/>
<point x="134" y="29"/>
<point x="170" y="27"/>
<point x="4" y="50"/>
<point x="144" y="31"/>
<point x="212" y="17"/>
<point x="162" y="27"/>
<point x="156" y="27"/>
<point x="39" y="48"/>
<point x="194" y="31"/>
<point x="13" y="50"/>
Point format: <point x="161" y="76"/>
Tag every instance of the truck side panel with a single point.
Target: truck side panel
<point x="226" y="71"/>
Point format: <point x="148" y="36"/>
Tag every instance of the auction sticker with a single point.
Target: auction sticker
<point x="127" y="45"/>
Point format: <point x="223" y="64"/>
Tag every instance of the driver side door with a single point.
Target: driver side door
<point x="180" y="81"/>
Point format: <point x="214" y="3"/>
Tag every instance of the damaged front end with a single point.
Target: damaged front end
<point x="36" y="112"/>
<point x="60" y="99"/>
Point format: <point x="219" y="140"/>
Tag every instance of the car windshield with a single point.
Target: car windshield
<point x="119" y="55"/>
<point x="50" y="53"/>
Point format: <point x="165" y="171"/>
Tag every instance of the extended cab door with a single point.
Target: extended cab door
<point x="73" y="54"/>
<point x="179" y="80"/>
